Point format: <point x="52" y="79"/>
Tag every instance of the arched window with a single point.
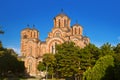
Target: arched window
<point x="34" y="34"/>
<point x="24" y="36"/>
<point x="57" y="34"/>
<point x="59" y="23"/>
<point x="31" y="34"/>
<point x="52" y="49"/>
<point x="75" y="31"/>
<point x="65" y="23"/>
<point x="55" y="47"/>
<point x="79" y="31"/>
<point x="30" y="51"/>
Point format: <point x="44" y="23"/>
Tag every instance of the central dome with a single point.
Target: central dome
<point x="62" y="15"/>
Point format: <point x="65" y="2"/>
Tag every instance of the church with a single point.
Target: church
<point x="32" y="48"/>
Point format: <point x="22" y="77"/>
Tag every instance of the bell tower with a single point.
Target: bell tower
<point x="28" y="34"/>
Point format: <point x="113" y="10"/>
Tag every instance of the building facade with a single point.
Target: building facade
<point x="32" y="49"/>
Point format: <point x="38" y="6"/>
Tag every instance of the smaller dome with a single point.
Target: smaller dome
<point x="61" y="14"/>
<point x="77" y="25"/>
<point x="28" y="28"/>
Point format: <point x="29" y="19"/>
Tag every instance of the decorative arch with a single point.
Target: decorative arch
<point x="57" y="31"/>
<point x="51" y="44"/>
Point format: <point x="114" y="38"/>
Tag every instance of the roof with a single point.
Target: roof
<point x="29" y="29"/>
<point x="62" y="15"/>
<point x="76" y="25"/>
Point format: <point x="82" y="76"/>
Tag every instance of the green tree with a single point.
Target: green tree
<point x="48" y="64"/>
<point x="68" y="61"/>
<point x="117" y="49"/>
<point x="41" y="66"/>
<point x="9" y="64"/>
<point x="103" y="69"/>
<point x="88" y="56"/>
<point x="106" y="49"/>
<point x="117" y="67"/>
<point x="49" y="61"/>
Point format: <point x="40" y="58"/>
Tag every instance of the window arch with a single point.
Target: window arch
<point x="65" y="23"/>
<point x="30" y="49"/>
<point x="59" y="23"/>
<point x="75" y="31"/>
<point x="31" y="33"/>
<point x="79" y="30"/>
<point x="57" y="33"/>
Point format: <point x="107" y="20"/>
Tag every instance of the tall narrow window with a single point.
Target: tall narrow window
<point x="55" y="43"/>
<point x="31" y="50"/>
<point x="30" y="34"/>
<point x="65" y="24"/>
<point x="79" y="31"/>
<point x="59" y="23"/>
<point x="34" y="34"/>
<point x="75" y="31"/>
<point x="52" y="49"/>
<point x="55" y="47"/>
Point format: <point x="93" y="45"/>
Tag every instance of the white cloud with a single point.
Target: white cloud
<point x="16" y="50"/>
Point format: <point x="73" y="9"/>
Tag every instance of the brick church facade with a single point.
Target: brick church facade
<point x="32" y="49"/>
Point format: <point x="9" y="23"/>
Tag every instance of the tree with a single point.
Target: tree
<point x="106" y="49"/>
<point x="41" y="66"/>
<point x="88" y="56"/>
<point x="48" y="64"/>
<point x="103" y="69"/>
<point x="117" y="66"/>
<point x="9" y="64"/>
<point x="117" y="62"/>
<point x="117" y="49"/>
<point x="68" y="61"/>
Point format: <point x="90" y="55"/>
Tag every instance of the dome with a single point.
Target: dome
<point x="28" y="28"/>
<point x="62" y="15"/>
<point x="77" y="25"/>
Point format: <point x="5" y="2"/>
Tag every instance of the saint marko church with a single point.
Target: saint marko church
<point x="32" y="48"/>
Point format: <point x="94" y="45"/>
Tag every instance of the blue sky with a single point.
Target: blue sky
<point x="100" y="18"/>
